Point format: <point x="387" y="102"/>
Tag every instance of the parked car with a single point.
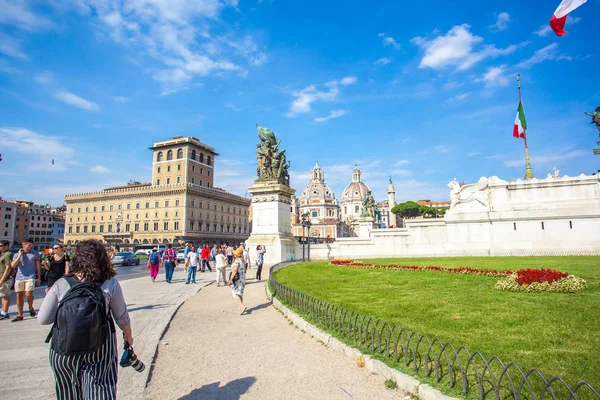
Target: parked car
<point x="142" y="252"/>
<point x="125" y="258"/>
<point x="181" y="255"/>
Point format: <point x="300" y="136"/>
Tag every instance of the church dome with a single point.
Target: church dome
<point x="317" y="191"/>
<point x="356" y="190"/>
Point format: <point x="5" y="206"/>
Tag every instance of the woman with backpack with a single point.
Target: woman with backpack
<point x="154" y="264"/>
<point x="83" y="307"/>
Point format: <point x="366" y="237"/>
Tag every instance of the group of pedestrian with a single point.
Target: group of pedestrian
<point x="92" y="373"/>
<point x="25" y="267"/>
<point x="84" y="361"/>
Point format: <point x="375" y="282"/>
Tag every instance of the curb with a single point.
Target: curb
<point x="406" y="383"/>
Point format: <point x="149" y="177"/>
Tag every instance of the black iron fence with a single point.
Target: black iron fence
<point x="476" y="376"/>
<point x="313" y="239"/>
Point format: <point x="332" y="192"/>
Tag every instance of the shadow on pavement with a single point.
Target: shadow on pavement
<point x="259" y="307"/>
<point x="232" y="390"/>
<point x="149" y="307"/>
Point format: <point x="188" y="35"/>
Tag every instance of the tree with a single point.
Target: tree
<point x="408" y="209"/>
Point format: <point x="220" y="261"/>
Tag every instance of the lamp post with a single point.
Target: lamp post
<point x="306" y="234"/>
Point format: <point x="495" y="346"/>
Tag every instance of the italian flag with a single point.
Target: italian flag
<point x="558" y="20"/>
<point x="520" y="123"/>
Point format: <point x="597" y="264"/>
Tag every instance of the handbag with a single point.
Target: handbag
<point x="236" y="277"/>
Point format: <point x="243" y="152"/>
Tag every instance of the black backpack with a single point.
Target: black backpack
<point x="82" y="324"/>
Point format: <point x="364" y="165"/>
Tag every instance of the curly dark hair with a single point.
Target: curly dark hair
<point x="92" y="262"/>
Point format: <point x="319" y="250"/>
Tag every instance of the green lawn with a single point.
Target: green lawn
<point x="559" y="334"/>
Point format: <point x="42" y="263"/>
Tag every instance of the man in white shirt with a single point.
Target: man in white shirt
<point x="191" y="264"/>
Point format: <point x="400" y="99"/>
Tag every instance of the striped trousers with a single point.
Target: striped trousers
<point x="91" y="376"/>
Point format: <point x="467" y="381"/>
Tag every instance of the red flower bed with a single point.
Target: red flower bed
<point x="457" y="270"/>
<point x="528" y="276"/>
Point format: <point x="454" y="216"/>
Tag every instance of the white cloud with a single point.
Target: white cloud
<point x="99" y="169"/>
<point x="16" y="13"/>
<point x="401" y="162"/>
<point x="232" y="107"/>
<point x="179" y="34"/>
<point x="383" y="61"/>
<point x="457" y="97"/>
<point x="76" y="101"/>
<point x="502" y="20"/>
<point x="548" y="159"/>
<point x="44" y="78"/>
<point x="545" y="29"/>
<point x="305" y="97"/>
<point x="549" y="52"/>
<point x="22" y="140"/>
<point x="120" y="99"/>
<point x="11" y="47"/>
<point x="441" y="149"/>
<point x="495" y="77"/>
<point x="457" y="49"/>
<point x="389" y="41"/>
<point x="332" y="115"/>
<point x="473" y="154"/>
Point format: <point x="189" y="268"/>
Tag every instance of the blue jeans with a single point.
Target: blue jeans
<point x="169" y="268"/>
<point x="191" y="275"/>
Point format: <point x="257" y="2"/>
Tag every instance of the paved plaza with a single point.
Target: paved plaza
<point x="208" y="352"/>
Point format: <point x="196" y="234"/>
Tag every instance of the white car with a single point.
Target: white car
<point x="143" y="252"/>
<point x="180" y="255"/>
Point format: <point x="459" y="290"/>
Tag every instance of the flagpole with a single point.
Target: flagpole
<point x="528" y="170"/>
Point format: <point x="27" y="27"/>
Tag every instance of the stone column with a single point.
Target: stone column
<point x="271" y="227"/>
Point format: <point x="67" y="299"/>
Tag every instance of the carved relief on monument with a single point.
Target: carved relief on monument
<point x="472" y="197"/>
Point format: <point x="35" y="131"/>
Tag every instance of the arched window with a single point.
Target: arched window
<point x="355" y="209"/>
<point x="180" y="153"/>
<point x="207" y="160"/>
<point x="159" y="156"/>
<point x="201" y="157"/>
<point x="169" y="155"/>
<point x="193" y="154"/>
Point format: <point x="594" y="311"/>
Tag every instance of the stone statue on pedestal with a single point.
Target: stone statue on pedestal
<point x="272" y="162"/>
<point x="368" y="205"/>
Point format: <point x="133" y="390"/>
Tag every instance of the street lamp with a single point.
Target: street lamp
<point x="305" y="233"/>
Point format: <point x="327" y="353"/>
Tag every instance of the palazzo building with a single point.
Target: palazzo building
<point x="181" y="204"/>
<point x="318" y="202"/>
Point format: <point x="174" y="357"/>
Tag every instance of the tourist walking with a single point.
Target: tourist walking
<point x="205" y="254"/>
<point x="169" y="260"/>
<point x="237" y="279"/>
<point x="260" y="259"/>
<point x="6" y="280"/>
<point x="27" y="261"/>
<point x="92" y="373"/>
<point x="191" y="265"/>
<point x="213" y="254"/>
<point x="154" y="264"/>
<point x="57" y="265"/>
<point x="229" y="254"/>
<point x="221" y="267"/>
<point x="246" y="257"/>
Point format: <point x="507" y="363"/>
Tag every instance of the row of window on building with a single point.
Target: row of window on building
<point x="157" y="205"/>
<point x="198" y="226"/>
<point x="160" y="156"/>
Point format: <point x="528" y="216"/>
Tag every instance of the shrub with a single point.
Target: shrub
<point x="566" y="284"/>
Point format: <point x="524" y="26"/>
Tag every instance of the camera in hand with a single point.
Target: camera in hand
<point x="129" y="359"/>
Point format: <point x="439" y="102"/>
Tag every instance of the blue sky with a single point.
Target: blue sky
<point x="422" y="91"/>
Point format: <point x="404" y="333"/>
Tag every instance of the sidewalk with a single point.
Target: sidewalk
<point x="24" y="365"/>
<point x="211" y="352"/>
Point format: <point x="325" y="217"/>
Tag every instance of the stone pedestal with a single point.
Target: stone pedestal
<point x="271" y="223"/>
<point x="366" y="224"/>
